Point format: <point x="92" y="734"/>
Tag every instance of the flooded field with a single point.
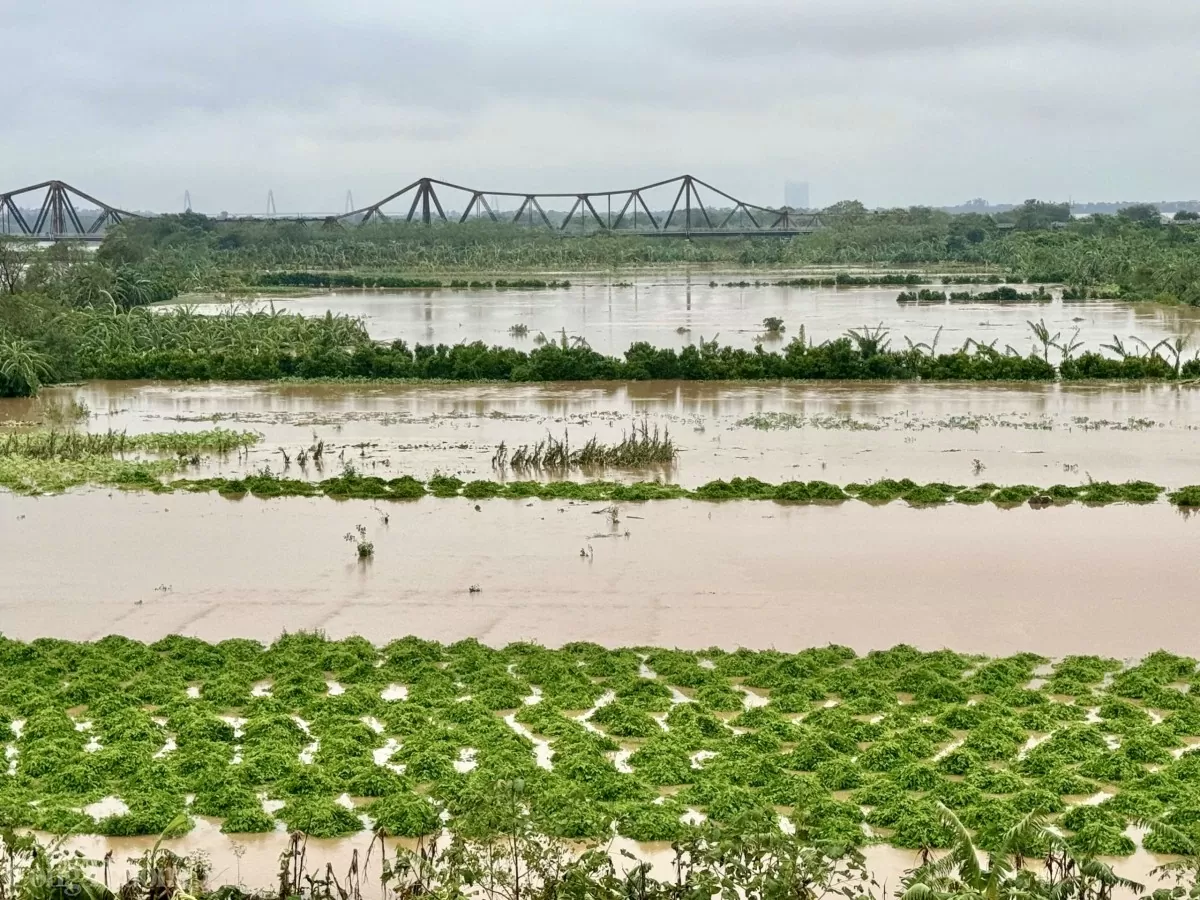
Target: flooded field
<point x="1038" y="434"/>
<point x="678" y="573"/>
<point x="253" y="860"/>
<point x="675" y="311"/>
<point x="1118" y="581"/>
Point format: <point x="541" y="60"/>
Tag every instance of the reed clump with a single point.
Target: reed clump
<point x="641" y="448"/>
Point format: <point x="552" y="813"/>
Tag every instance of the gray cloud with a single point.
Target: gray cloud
<point x="891" y="101"/>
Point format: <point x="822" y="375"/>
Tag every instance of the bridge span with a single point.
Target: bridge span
<point x="51" y="210"/>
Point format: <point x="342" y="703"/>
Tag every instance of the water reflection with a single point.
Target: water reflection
<point x="678" y="310"/>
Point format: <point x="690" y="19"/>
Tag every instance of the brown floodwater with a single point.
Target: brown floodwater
<point x="841" y="432"/>
<point x="675" y="310"/>
<point x="1118" y="580"/>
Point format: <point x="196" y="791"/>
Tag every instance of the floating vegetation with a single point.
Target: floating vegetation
<point x="905" y="421"/>
<point x="32" y="477"/>
<point x="999" y="295"/>
<point x="638" y="449"/>
<point x="288" y="731"/>
<point x="53" y="461"/>
<point x="772" y="421"/>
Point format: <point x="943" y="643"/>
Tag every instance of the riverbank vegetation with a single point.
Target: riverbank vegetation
<point x="38" y="462"/>
<point x="67" y="313"/>
<point x="148" y="260"/>
<point x="112" y="737"/>
<point x="70" y="344"/>
<point x="1003" y="294"/>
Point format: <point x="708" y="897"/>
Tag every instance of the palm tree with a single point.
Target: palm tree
<point x="1145" y="346"/>
<point x="980" y="347"/>
<point x="132" y="290"/>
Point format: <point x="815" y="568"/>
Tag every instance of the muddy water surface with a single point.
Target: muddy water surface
<point x="675" y="311"/>
<point x="842" y="432"/>
<point x="1117" y="580"/>
<point x="1120" y="581"/>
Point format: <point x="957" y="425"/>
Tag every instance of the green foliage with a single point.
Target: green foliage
<point x="735" y="778"/>
<point x="181" y="344"/>
<point x="247" y="820"/>
<point x="39" y="464"/>
<point x="404" y="815"/>
<point x="320" y="818"/>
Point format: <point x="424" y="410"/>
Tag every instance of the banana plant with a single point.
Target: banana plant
<point x="1175" y="346"/>
<point x="1070" y="345"/>
<point x="22" y="368"/>
<point x="1001" y="873"/>
<point x="1116" y="347"/>
<point x="931" y="347"/>
<point x="870" y="341"/>
<point x="1042" y="334"/>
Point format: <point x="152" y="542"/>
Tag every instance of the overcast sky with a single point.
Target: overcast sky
<point x="893" y="102"/>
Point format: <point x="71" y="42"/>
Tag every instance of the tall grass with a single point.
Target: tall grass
<point x="639" y="449"/>
<point x="79" y="445"/>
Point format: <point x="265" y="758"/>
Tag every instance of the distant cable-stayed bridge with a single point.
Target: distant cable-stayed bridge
<point x="684" y="206"/>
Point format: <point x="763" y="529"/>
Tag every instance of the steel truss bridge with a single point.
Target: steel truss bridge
<point x="697" y="210"/>
<point x="56" y="218"/>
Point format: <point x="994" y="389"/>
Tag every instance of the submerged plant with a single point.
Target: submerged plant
<point x="594" y="736"/>
<point x="641" y="448"/>
<point x="358" y="537"/>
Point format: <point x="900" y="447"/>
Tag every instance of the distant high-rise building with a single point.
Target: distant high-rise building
<point x="795" y="194"/>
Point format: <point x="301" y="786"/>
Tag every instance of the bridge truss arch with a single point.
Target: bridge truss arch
<point x="683" y="206"/>
<point x="695" y="208"/>
<point x="57" y="217"/>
